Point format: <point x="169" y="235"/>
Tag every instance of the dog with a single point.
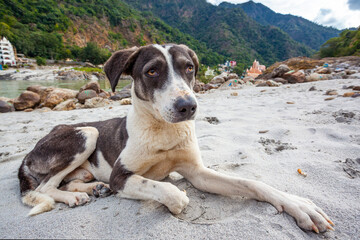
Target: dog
<point x="129" y="156"/>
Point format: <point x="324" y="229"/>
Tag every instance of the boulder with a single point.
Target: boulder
<point x="66" y="105"/>
<point x="249" y="79"/>
<point x="104" y="94"/>
<point x="323" y="70"/>
<point x="27" y="99"/>
<point x="294" y="76"/>
<point x="36" y="89"/>
<point x="280" y="80"/>
<point x="209" y="86"/>
<point x="86" y="94"/>
<point x="350" y="72"/>
<point x="272" y="83"/>
<point x="280" y="70"/>
<point x="217" y="80"/>
<point x="317" y="77"/>
<point x="9" y="100"/>
<point x="93" y="85"/>
<point x="6" y="107"/>
<point x="232" y="76"/>
<point x="124" y="93"/>
<point x="96" y="102"/>
<point x="125" y="101"/>
<point x="73" y="75"/>
<point x="57" y="96"/>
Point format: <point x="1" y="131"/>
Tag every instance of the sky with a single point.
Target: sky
<point x="336" y="13"/>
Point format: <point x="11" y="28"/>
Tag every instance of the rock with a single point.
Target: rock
<point x="73" y="75"/>
<point x="86" y="94"/>
<point x="263" y="131"/>
<point x="124" y="93"/>
<point x="91" y="86"/>
<point x="280" y="70"/>
<point x="8" y="100"/>
<point x="90" y="65"/>
<point x="66" y="105"/>
<point x="29" y="110"/>
<point x="356" y="95"/>
<point x="272" y="83"/>
<point x="27" y="99"/>
<point x="290" y="102"/>
<point x="331" y="92"/>
<point x="104" y="94"/>
<point x="57" y="96"/>
<point x="313" y="88"/>
<point x="234" y="94"/>
<point x="6" y="107"/>
<point x="198" y="86"/>
<point x="280" y="80"/>
<point x="350" y="72"/>
<point x="125" y="101"/>
<point x="209" y="86"/>
<point x="295" y="77"/>
<point x="248" y="79"/>
<point x="323" y="70"/>
<point x="317" y="77"/>
<point x="348" y="94"/>
<point x="44" y="109"/>
<point x="329" y="98"/>
<point x="356" y="88"/>
<point x="36" y="89"/>
<point x="232" y="76"/>
<point x="217" y="80"/>
<point x="96" y="102"/>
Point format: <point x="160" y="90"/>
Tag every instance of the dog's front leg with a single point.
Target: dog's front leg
<point x="138" y="187"/>
<point x="306" y="213"/>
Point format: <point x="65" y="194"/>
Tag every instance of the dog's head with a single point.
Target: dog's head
<point x="164" y="76"/>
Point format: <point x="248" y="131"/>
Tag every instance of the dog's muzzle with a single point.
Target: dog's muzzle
<point x="185" y="108"/>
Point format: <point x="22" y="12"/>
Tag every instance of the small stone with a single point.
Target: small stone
<point x="348" y="94"/>
<point x="263" y="131"/>
<point x="290" y="102"/>
<point x="331" y="92"/>
<point x="202" y="196"/>
<point x="234" y="94"/>
<point x="313" y="88"/>
<point x="329" y="98"/>
<point x="28" y="110"/>
<point x="264" y="90"/>
<point x="356" y="95"/>
<point x="340" y="119"/>
<point x="125" y="101"/>
<point x="356" y="88"/>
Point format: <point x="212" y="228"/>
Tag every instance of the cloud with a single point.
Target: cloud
<point x="328" y="18"/>
<point x="354" y="4"/>
<point x="324" y="11"/>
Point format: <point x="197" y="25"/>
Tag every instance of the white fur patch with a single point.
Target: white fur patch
<point x="103" y="171"/>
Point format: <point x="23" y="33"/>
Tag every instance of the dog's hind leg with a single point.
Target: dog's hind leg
<point x="60" y="165"/>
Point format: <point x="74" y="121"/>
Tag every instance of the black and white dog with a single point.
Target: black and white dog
<point x="134" y="153"/>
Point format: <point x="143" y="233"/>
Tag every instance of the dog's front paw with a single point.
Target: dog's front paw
<point x="102" y="190"/>
<point x="176" y="200"/>
<point x="308" y="216"/>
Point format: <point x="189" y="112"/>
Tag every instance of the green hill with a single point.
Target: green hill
<point x="228" y="31"/>
<point x="347" y="44"/>
<point x="62" y="29"/>
<point x="300" y="29"/>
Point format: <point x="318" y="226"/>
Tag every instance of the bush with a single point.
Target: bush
<point x="40" y="61"/>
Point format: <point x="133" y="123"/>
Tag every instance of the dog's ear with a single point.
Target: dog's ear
<point x="193" y="57"/>
<point x="120" y="62"/>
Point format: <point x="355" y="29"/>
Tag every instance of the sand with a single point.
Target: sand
<point x="320" y="137"/>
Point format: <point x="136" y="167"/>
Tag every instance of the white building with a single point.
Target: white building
<point x="7" y="56"/>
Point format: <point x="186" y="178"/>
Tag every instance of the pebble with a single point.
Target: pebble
<point x="290" y="102"/>
<point x="348" y="94"/>
<point x="263" y="131"/>
<point x="234" y="94"/>
<point x="329" y="98"/>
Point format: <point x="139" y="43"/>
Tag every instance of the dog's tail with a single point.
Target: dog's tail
<point x="39" y="201"/>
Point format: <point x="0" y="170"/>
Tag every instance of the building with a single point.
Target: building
<point x="255" y="70"/>
<point x="7" y="56"/>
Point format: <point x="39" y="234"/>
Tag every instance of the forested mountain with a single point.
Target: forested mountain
<point x="58" y="29"/>
<point x="300" y="29"/>
<point x="347" y="44"/>
<point x="229" y="31"/>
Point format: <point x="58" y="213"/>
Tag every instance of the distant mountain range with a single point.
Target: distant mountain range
<point x="300" y="29"/>
<point x="56" y="29"/>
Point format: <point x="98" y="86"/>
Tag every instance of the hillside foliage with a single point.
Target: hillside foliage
<point x="347" y="44"/>
<point x="301" y="30"/>
<point x="40" y="28"/>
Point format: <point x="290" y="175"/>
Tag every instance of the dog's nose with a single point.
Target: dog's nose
<point x="186" y="107"/>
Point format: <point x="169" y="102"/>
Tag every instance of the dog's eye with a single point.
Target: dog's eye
<point x="189" y="69"/>
<point x="152" y="73"/>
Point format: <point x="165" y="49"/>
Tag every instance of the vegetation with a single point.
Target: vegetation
<point x="88" y="69"/>
<point x="40" y="28"/>
<point x="304" y="31"/>
<point x="228" y="31"/>
<point x="40" y="61"/>
<point x="347" y="44"/>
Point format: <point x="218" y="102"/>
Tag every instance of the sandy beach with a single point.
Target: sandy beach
<point x="299" y="130"/>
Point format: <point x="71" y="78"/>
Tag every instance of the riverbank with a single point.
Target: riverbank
<point x="259" y="133"/>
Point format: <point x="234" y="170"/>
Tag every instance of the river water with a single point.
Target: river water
<point x="13" y="88"/>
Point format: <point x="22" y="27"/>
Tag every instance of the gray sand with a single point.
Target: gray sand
<point x="302" y="135"/>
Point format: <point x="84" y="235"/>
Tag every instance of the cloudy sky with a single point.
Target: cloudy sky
<point x="336" y="13"/>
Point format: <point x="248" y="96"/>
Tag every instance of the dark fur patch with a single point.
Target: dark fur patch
<point x="118" y="177"/>
<point x="51" y="154"/>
